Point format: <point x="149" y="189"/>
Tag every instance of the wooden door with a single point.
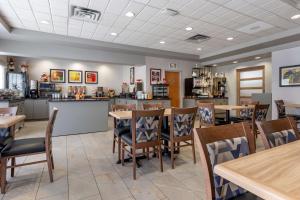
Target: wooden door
<point x="173" y="79"/>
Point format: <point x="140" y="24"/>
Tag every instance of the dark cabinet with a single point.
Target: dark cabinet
<point x="36" y="109"/>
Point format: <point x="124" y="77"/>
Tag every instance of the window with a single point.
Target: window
<point x="2" y="76"/>
<point x="249" y="80"/>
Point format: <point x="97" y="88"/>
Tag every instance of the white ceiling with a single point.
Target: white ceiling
<point x="218" y="19"/>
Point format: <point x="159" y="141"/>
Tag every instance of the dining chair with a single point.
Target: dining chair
<point x="259" y="114"/>
<point x="245" y="114"/>
<point x="206" y="114"/>
<point x="121" y="125"/>
<point x="220" y="144"/>
<point x="281" y="110"/>
<point x="27" y="147"/>
<point x="7" y="134"/>
<point x="145" y="132"/>
<point x="278" y="132"/>
<point x="181" y="131"/>
<point x="152" y="106"/>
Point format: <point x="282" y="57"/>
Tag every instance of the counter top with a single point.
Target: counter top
<point x="198" y="98"/>
<point x="12" y="100"/>
<point x="74" y="100"/>
<point x="143" y="99"/>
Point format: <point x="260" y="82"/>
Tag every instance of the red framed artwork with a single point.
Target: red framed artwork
<point x="91" y="77"/>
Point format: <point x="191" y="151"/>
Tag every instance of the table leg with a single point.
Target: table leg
<point x="228" y="116"/>
<point x="12" y="131"/>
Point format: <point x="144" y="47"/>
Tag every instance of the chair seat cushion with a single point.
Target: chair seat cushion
<point x="127" y="138"/>
<point x="24" y="146"/>
<point x="119" y="131"/>
<point x="247" y="196"/>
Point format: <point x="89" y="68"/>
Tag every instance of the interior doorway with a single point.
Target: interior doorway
<point x="173" y="79"/>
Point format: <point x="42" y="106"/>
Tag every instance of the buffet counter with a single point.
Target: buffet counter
<point x="80" y="116"/>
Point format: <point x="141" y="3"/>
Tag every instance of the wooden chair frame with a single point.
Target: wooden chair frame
<point x="268" y="127"/>
<point x="48" y="152"/>
<point x="120" y="107"/>
<point x="135" y="146"/>
<point x="204" y="136"/>
<point x="256" y="109"/>
<point x="175" y="141"/>
<point x="209" y="106"/>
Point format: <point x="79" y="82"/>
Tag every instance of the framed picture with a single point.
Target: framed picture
<point x="74" y="76"/>
<point x="155" y="76"/>
<point x="173" y="66"/>
<point x="58" y="75"/>
<point x="91" y="77"/>
<point x="289" y="76"/>
<point x="132" y="75"/>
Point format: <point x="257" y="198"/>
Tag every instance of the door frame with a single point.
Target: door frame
<point x="180" y="84"/>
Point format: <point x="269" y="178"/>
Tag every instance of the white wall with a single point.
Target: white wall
<point x="109" y="75"/>
<point x="139" y="73"/>
<point x="3" y="60"/>
<point x="183" y="66"/>
<point x="289" y="94"/>
<point x="230" y="73"/>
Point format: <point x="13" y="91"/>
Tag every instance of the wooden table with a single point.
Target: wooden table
<point x="128" y="114"/>
<point x="228" y="108"/>
<point x="292" y="105"/>
<point x="270" y="174"/>
<point x="11" y="121"/>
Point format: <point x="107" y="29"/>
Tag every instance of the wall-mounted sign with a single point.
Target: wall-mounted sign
<point x="173" y="66"/>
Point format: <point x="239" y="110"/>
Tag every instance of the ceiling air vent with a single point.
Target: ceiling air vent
<point x="198" y="38"/>
<point x="85" y="14"/>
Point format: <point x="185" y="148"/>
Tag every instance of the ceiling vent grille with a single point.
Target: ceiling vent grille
<point x="85" y="14"/>
<point x="198" y="38"/>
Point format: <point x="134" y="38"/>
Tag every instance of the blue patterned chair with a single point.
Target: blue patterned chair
<point x="145" y="132"/>
<point x="221" y="144"/>
<point x="181" y="130"/>
<point x="278" y="132"/>
<point x="260" y="114"/>
<point x="121" y="126"/>
<point x="245" y="115"/>
<point x="206" y="114"/>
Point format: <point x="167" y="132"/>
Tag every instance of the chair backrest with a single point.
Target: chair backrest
<point x="260" y="114"/>
<point x="278" y="132"/>
<point x="121" y="123"/>
<point x="219" y="144"/>
<point x="182" y="121"/>
<point x="49" y="129"/>
<point x="152" y="106"/>
<point x="206" y="114"/>
<point x="247" y="113"/>
<point x="10" y="111"/>
<point x="280" y="108"/>
<point x="146" y="125"/>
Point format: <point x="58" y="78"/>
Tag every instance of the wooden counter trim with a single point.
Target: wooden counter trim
<point x="248" y="172"/>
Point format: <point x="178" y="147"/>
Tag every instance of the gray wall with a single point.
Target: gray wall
<point x="289" y="94"/>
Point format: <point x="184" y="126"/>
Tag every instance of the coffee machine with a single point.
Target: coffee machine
<point x="33" y="89"/>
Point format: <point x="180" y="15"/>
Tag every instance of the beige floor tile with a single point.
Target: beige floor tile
<point x="81" y="187"/>
<point x="63" y="196"/>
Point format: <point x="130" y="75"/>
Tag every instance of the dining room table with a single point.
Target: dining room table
<point x="292" y="105"/>
<point x="270" y="174"/>
<point x="10" y="122"/>
<point x="228" y="108"/>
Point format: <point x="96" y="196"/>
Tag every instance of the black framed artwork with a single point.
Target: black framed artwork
<point x="74" y="76"/>
<point x="155" y="76"/>
<point x="289" y="76"/>
<point x="57" y="75"/>
<point x="132" y="75"/>
<point x="91" y="77"/>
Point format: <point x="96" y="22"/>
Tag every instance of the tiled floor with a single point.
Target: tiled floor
<point x="85" y="169"/>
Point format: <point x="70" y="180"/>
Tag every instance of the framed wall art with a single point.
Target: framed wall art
<point x="289" y="76"/>
<point x="58" y="75"/>
<point x="132" y="75"/>
<point x="91" y="77"/>
<point x="74" y="76"/>
<point x="155" y="76"/>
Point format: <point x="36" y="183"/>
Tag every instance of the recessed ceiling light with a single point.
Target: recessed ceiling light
<point x="234" y="62"/>
<point x="44" y="22"/>
<point x="230" y="38"/>
<point x="199" y="49"/>
<point x="113" y="34"/>
<point x="188" y="28"/>
<point x="214" y="65"/>
<point x="257" y="58"/>
<point x="296" y="16"/>
<point x="130" y="14"/>
<point x="162" y="42"/>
